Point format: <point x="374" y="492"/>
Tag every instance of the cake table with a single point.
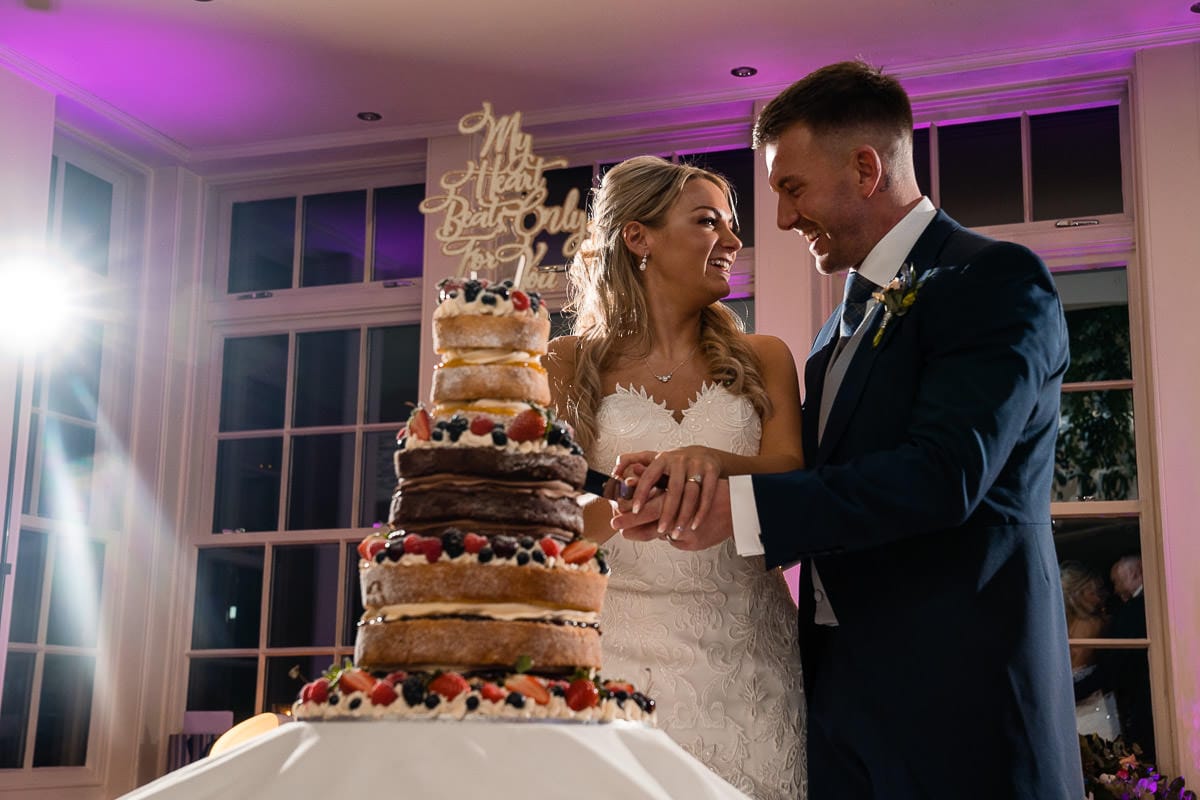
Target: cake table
<point x="447" y="760"/>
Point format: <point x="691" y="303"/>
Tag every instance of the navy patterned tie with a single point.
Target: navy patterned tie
<point x="854" y="304"/>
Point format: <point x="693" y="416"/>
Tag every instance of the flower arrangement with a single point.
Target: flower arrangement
<point x="897" y="298"/>
<point x="1111" y="771"/>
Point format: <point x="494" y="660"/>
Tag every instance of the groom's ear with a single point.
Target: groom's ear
<point x="868" y="169"/>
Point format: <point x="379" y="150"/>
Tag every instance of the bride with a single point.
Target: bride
<point x="657" y="363"/>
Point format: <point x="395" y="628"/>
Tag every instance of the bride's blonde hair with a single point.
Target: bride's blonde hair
<point x="606" y="294"/>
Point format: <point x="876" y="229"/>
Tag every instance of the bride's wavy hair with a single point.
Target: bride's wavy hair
<point x="606" y="294"/>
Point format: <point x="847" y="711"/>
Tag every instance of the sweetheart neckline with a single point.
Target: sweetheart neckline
<point x="641" y="393"/>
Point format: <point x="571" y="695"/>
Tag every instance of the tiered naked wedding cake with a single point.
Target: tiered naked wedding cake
<point x="483" y="600"/>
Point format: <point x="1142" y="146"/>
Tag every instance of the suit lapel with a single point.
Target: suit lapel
<point x="923" y="257"/>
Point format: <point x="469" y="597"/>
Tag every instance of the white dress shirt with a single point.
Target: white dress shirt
<point x="880" y="266"/>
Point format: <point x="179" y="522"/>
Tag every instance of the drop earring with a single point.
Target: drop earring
<point x="645" y="258"/>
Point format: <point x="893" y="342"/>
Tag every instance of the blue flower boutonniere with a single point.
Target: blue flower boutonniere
<point x="897" y="298"/>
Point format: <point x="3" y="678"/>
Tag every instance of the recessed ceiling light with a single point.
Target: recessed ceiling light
<point x="1196" y="8"/>
<point x="743" y="72"/>
<point x="369" y="116"/>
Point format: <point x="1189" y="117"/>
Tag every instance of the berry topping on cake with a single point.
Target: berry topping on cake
<point x="383" y="694"/>
<point x="420" y="426"/>
<point x="315" y="691"/>
<point x="449" y="685"/>
<point x="413" y="690"/>
<point x="473" y="543"/>
<point x="530" y="424"/>
<point x="550" y="546"/>
<point x="579" y="551"/>
<point x="529" y="685"/>
<point x="356" y="680"/>
<point x="520" y="300"/>
<point x="482" y="426"/>
<point x="371" y="545"/>
<point x="492" y="692"/>
<point x="581" y="694"/>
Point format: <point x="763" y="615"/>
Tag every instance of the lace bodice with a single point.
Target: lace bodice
<point x="711" y="634"/>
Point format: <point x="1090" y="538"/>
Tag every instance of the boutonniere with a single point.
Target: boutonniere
<point x="897" y="298"/>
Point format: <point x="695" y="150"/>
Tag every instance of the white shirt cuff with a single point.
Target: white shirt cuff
<point x="744" y="511"/>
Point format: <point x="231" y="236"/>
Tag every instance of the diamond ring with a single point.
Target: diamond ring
<point x="697" y="478"/>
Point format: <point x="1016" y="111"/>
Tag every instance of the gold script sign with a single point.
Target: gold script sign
<point x="495" y="208"/>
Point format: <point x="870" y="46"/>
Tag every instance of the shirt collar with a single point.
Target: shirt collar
<point x="887" y="256"/>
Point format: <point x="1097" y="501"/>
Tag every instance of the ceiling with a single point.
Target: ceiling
<point x="195" y="82"/>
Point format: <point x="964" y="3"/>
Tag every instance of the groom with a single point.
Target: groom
<point x="932" y="630"/>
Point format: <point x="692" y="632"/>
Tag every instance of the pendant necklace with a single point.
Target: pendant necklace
<point x="666" y="378"/>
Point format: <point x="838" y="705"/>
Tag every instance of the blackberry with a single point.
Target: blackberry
<point x="472" y="703"/>
<point x="644" y="703"/>
<point x="535" y="300"/>
<point x="499" y="437"/>
<point x="555" y="434"/>
<point x="471" y="290"/>
<point x="432" y="700"/>
<point x="485" y="554"/>
<point x="515" y="699"/>
<point x="488" y="299"/>
<point x="381" y="556"/>
<point x="355" y="703"/>
<point x="458" y="423"/>
<point x="413" y="690"/>
<point x="502" y="291"/>
<point x="504" y="546"/>
<point x="621" y="696"/>
<point x="395" y="549"/>
<point x="452" y="542"/>
<point x="522" y="558"/>
<point x="603" y="565"/>
<point x="454" y="434"/>
<point x="539" y="556"/>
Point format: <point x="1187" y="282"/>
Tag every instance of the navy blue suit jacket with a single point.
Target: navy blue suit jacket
<point x="926" y="508"/>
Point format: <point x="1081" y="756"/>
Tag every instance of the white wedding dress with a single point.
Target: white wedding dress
<point x="710" y="635"/>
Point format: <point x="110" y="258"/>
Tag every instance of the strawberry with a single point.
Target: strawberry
<point x="414" y="543"/>
<point x="371" y="545"/>
<point x="581" y="694"/>
<point x="490" y="691"/>
<point x="382" y="694"/>
<point x="530" y="686"/>
<point x="396" y="678"/>
<point x="618" y="686"/>
<point x="420" y="426"/>
<point x="579" y="551"/>
<point x="473" y="543"/>
<point x="356" y="680"/>
<point x="482" y="426"/>
<point x="527" y="426"/>
<point x="449" y="685"/>
<point x="315" y="692"/>
<point x="520" y="300"/>
<point x="432" y="547"/>
<point x="550" y="546"/>
<point x="400" y="434"/>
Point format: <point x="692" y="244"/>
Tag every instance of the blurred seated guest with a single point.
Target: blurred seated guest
<point x="1083" y="597"/>
<point x="1125" y="673"/>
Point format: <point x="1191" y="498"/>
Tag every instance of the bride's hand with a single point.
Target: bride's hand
<point x="691" y="483"/>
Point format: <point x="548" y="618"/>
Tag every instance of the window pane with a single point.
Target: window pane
<point x="223" y="684"/>
<point x="65" y="712"/>
<point x="1095" y="457"/>
<point x="322" y="482"/>
<point x="1097" y="308"/>
<point x="921" y="161"/>
<point x="335" y="234"/>
<point x="27" y="499"/>
<point x="74" y="383"/>
<point x="228" y="598"/>
<point x="399" y="232"/>
<point x="27" y="587"/>
<point x="353" y="606"/>
<point x="737" y="167"/>
<point x="14" y="708"/>
<point x="1107" y="551"/>
<point x="326" y="378"/>
<point x="281" y="689"/>
<point x="67" y="452"/>
<point x="559" y="183"/>
<point x="393" y="358"/>
<point x="1075" y="159"/>
<point x="262" y="244"/>
<point x="253" y="382"/>
<point x="379" y="478"/>
<point x="86" y="218"/>
<point x="979" y="172"/>
<point x="75" y="592"/>
<point x="247" y="493"/>
<point x="304" y="581"/>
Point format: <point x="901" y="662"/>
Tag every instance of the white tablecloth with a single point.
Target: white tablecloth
<point x="525" y="761"/>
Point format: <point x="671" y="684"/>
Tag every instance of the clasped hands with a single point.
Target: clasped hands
<point x="677" y="495"/>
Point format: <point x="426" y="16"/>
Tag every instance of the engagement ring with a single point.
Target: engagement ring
<point x="696" y="478"/>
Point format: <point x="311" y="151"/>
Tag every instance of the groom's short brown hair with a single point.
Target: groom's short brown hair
<point x="838" y="98"/>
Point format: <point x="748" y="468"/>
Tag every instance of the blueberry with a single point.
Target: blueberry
<point x="522" y="558"/>
<point x="621" y="696"/>
<point x="471" y="290"/>
<point x="558" y="691"/>
<point x="556" y="434"/>
<point x="395" y="549"/>
<point x="436" y="435"/>
<point x="644" y="703"/>
<point x="600" y="562"/>
<point x="401" y="442"/>
<point x="515" y="699"/>
<point x="504" y="546"/>
<point x="452" y="542"/>
<point x="499" y="437"/>
<point x="488" y="299"/>
<point x="472" y="703"/>
<point x="432" y="700"/>
<point x="413" y="690"/>
<point x="355" y="703"/>
<point x="333" y="698"/>
<point x="485" y="555"/>
<point x="539" y="556"/>
<point x="526" y="542"/>
<point x="381" y="556"/>
<point x="535" y="300"/>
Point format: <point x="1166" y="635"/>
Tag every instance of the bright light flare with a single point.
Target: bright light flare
<point x="35" y="304"/>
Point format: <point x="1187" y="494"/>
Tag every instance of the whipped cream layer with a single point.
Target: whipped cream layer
<point x="506" y="612"/>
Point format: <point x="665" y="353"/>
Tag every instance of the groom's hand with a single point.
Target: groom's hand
<point x="716" y="528"/>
